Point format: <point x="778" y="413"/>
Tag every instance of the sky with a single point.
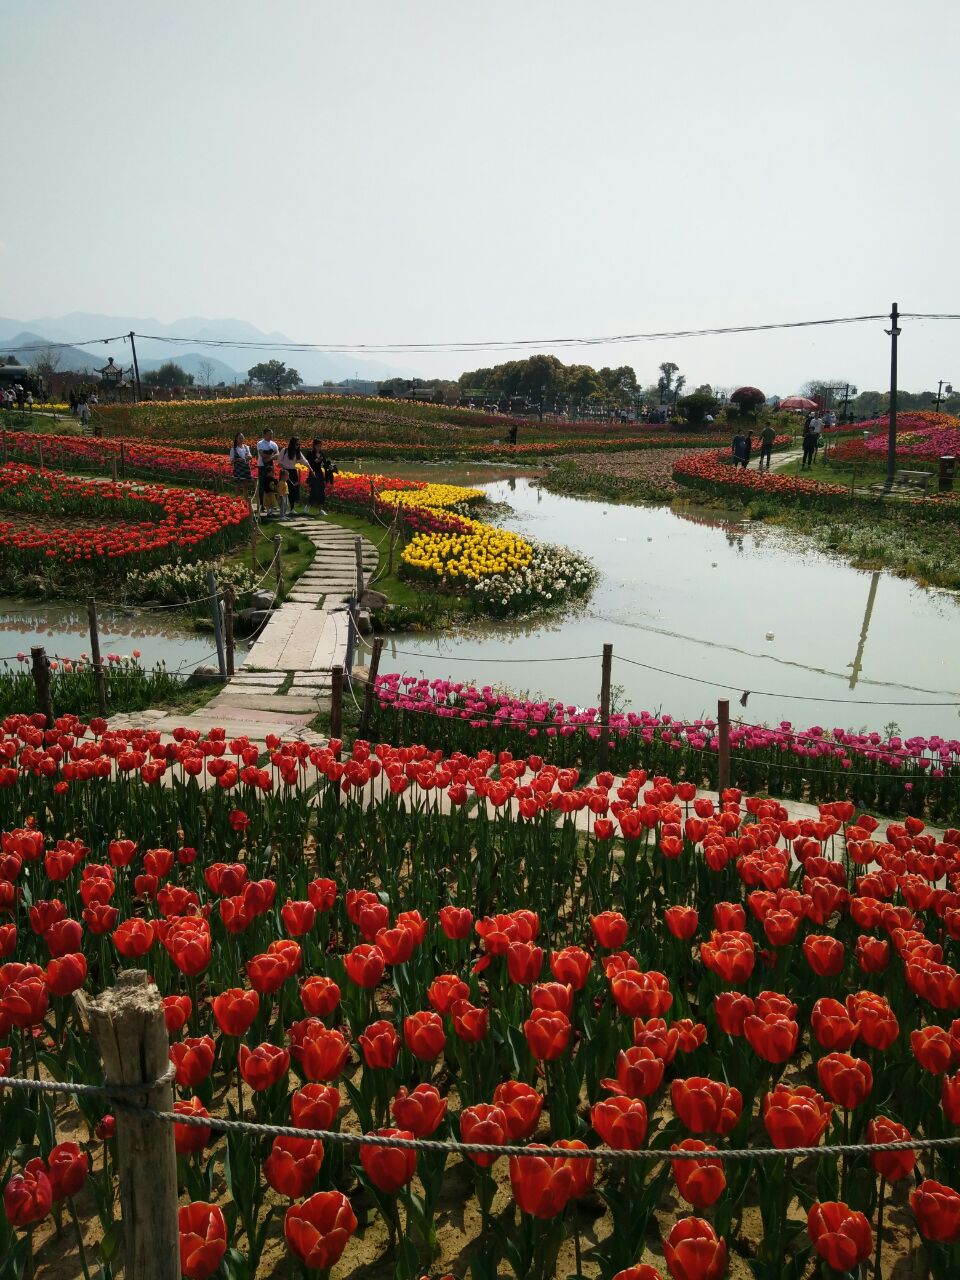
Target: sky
<point x="439" y="171"/>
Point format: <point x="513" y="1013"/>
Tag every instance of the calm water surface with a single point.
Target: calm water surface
<point x="63" y="632"/>
<point x="713" y="601"/>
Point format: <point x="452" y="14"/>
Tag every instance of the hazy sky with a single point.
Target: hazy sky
<point x="407" y="170"/>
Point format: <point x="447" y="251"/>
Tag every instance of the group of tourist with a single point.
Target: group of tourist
<point x="15" y="396"/>
<point x="743" y="447"/>
<point x="813" y="429"/>
<point x="278" y="483"/>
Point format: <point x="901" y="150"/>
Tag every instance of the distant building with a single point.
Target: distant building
<point x="111" y="375"/>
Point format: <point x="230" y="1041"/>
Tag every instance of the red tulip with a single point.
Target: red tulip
<point x="298" y="917"/>
<point x="421" y="1111"/>
<point x="445" y="990"/>
<point x="424" y="1035"/>
<point x="66" y="974"/>
<point x="322" y="893"/>
<point x="319" y="996"/>
<point x="730" y="1009"/>
<point x="321" y="1052"/>
<point x="729" y="955"/>
<point x="268" y="972"/>
<point x="28" y="1196"/>
<point x="133" y="938"/>
<point x="706" y="1106"/>
<point x="235" y="1010"/>
<point x="621" y="1122"/>
<point x="67" y="1169"/>
<point x="548" y="1034"/>
<point x="24" y="1002"/>
<point x="571" y="965"/>
<point x="542" y="1185"/>
<point x="456" y="922"/>
<point x="832" y="1025"/>
<point x="878" y="1024"/>
<point x="641" y="995"/>
<point x="892" y="1165"/>
<point x="292" y="1165"/>
<point x="63" y="937"/>
<point x="364" y="965"/>
<point x="389" y="1168"/>
<point x="846" y="1080"/>
<point x="936" y="1208"/>
<point x="315" y="1106"/>
<point x="470" y="1024"/>
<point x="485" y="1125"/>
<point x="521" y="1105"/>
<point x="700" y="1182"/>
<point x="263" y="1066"/>
<point x="203" y="1239"/>
<point x="524" y="962"/>
<point x="610" y="929"/>
<point x="682" y="922"/>
<point x="193" y="1060"/>
<point x="642" y="1271"/>
<point x="693" y="1252"/>
<point x="825" y="955"/>
<point x="189" y="1138"/>
<point x="381" y="1046"/>
<point x="873" y="954"/>
<point x="773" y="1038"/>
<point x="840" y="1235"/>
<point x="319" y="1229"/>
<point x="934" y="1049"/>
<point x="639" y="1073"/>
<point x="795" y="1117"/>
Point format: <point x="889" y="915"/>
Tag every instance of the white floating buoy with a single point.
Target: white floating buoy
<point x="769" y="635"/>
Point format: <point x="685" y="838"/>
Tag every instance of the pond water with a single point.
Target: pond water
<point x="714" y="601"/>
<point x="63" y="631"/>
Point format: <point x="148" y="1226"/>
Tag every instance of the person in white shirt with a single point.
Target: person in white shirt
<point x="267" y="454"/>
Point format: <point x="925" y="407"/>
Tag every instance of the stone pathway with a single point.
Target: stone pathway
<point x="284" y="680"/>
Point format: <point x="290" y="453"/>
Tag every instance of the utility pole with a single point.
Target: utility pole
<point x="940" y="392"/>
<point x="894" y="334"/>
<point x="136" y="367"/>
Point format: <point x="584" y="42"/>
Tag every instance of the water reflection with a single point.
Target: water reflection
<point x="707" y="602"/>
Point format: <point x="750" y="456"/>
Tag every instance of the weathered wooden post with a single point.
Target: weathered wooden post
<point x="217" y="622"/>
<point x="723" y="740"/>
<point x="123" y="461"/>
<point x="336" y="701"/>
<point x="99" y="680"/>
<point x="278" y="562"/>
<point x="228" y="605"/>
<point x="113" y="466"/>
<point x="40" y="453"/>
<point x="358" y="557"/>
<point x="606" y="670"/>
<point x="371" y="681"/>
<point x="253" y="539"/>
<point x="40" y="670"/>
<point x="128" y="1025"/>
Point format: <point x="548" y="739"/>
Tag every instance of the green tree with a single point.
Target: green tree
<point x="273" y="375"/>
<point x="665" y="386"/>
<point x="169" y="374"/>
<point x="696" y="406"/>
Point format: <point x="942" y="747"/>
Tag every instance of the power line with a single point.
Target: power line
<point x="508" y="344"/>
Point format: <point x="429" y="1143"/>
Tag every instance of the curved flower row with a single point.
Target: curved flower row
<point x="825" y="761"/>
<point x="620" y="963"/>
<point x="130" y="526"/>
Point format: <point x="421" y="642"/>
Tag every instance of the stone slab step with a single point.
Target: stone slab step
<point x="254" y="704"/>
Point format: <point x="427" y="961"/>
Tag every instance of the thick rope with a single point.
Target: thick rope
<point x="609" y="1154"/>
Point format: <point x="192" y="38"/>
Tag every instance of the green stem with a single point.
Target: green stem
<point x="876" y="1258"/>
<point x="80" y="1249"/>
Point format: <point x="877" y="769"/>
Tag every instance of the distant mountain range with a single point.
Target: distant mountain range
<point x="313" y="366"/>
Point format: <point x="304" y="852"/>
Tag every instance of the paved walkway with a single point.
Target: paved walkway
<point x="284" y="680"/>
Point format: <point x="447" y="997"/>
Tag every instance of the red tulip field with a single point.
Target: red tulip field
<point x="490" y="950"/>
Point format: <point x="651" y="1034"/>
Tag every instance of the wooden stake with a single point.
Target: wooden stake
<point x="113" y="466"/>
<point x="123" y="462"/>
<point x="40" y="452"/>
<point x="40" y="669"/>
<point x="336" y="701"/>
<point x="358" y="556"/>
<point x="278" y="563"/>
<point x="214" y="594"/>
<point x="605" y="673"/>
<point x="228" y="605"/>
<point x="723" y="737"/>
<point x="128" y="1026"/>
<point x="99" y="679"/>
<point x="371" y="681"/>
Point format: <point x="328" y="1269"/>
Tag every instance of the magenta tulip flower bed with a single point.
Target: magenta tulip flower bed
<point x="493" y="949"/>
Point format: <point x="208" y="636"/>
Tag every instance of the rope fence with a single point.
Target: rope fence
<point x="121" y="1095"/>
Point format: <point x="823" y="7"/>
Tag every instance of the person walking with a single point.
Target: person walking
<point x="809" y="445"/>
<point x="241" y="459"/>
<point x="766" y="445"/>
<point x="84" y="411"/>
<point x="739" y="448"/>
<point x="816" y="427"/>
<point x="267" y="454"/>
<point x="291" y="458"/>
<point x="748" y="450"/>
<point x="321" y="474"/>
